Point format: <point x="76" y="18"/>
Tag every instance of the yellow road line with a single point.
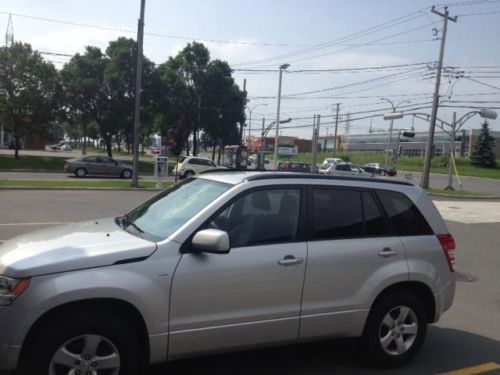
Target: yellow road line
<point x="28" y="224"/>
<point x="480" y="369"/>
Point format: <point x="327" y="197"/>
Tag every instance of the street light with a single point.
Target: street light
<point x="265" y="130"/>
<point x="250" y="117"/>
<point x="455" y="126"/>
<point x="276" y="138"/>
<point x="394" y="108"/>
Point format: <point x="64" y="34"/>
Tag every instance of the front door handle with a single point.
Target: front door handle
<point x="290" y="260"/>
<point x="387" y="252"/>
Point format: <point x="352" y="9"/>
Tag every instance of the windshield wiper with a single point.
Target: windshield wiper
<point x="125" y="222"/>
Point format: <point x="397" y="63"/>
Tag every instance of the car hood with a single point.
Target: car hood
<point x="70" y="247"/>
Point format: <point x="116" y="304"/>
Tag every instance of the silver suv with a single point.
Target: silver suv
<point x="225" y="261"/>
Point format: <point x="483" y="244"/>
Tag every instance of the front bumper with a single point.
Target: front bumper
<point x="9" y="352"/>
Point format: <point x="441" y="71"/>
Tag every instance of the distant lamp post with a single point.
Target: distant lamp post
<point x="394" y="111"/>
<point x="276" y="138"/>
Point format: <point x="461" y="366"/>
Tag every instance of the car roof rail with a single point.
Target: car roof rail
<point x="219" y="170"/>
<point x="286" y="175"/>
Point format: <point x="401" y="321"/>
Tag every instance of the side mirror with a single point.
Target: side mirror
<point x="211" y="241"/>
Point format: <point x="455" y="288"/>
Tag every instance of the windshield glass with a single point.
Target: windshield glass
<point x="162" y="215"/>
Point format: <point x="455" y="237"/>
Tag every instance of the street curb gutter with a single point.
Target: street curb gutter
<point x="464" y="196"/>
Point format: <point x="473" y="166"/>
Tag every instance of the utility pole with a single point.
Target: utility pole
<point x="336" y="128"/>
<point x="261" y="162"/>
<point x="240" y="138"/>
<point x="138" y="89"/>
<point x="424" y="183"/>
<point x="451" y="158"/>
<point x="313" y="144"/>
<point x="276" y="137"/>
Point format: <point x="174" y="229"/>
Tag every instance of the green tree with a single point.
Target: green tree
<point x="484" y="153"/>
<point x="119" y="81"/>
<point x="28" y="91"/>
<point x="84" y="98"/>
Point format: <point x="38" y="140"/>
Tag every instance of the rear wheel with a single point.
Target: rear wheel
<point x="188" y="174"/>
<point x="97" y="344"/>
<point x="80" y="172"/>
<point x="395" y="330"/>
<point x="127" y="173"/>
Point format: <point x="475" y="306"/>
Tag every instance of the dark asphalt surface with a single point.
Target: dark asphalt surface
<point x="467" y="335"/>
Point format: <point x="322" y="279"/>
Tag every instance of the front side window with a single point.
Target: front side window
<point x="162" y="215"/>
<point x="261" y="217"/>
<point x="90" y="159"/>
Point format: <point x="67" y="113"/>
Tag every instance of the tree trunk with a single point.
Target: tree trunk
<point x="213" y="150"/>
<point x="16" y="146"/>
<point x="187" y="147"/>
<point x="220" y="151"/>
<point x="108" y="147"/>
<point x="195" y="144"/>
<point x="84" y="148"/>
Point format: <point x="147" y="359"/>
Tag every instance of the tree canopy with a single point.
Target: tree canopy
<point x="484" y="150"/>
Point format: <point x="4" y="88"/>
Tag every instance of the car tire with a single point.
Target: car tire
<point x="127" y="173"/>
<point x="60" y="346"/>
<point x="80" y="172"/>
<point x="188" y="174"/>
<point x="395" y="330"/>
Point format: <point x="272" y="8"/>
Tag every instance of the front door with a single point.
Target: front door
<point x="250" y="296"/>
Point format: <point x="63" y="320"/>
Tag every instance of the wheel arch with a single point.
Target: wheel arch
<point x="109" y="305"/>
<point x="418" y="289"/>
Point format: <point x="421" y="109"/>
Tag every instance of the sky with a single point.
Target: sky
<point x="329" y="45"/>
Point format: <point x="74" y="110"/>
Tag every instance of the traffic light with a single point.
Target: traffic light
<point x="409" y="134"/>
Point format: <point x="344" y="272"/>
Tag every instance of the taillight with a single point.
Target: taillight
<point x="448" y="244"/>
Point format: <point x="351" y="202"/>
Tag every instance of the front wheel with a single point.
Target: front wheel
<point x="80" y="172"/>
<point x="395" y="330"/>
<point x="95" y="344"/>
<point x="127" y="173"/>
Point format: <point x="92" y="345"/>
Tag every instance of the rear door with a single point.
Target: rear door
<point x="352" y="255"/>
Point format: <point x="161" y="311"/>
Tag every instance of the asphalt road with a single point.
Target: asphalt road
<point x="466" y="336"/>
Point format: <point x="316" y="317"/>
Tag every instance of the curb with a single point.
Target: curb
<point x="78" y="188"/>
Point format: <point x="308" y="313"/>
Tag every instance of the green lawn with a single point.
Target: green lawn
<point x="79" y="184"/>
<point x="56" y="164"/>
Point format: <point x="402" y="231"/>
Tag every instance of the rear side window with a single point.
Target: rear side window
<point x="375" y="224"/>
<point x="336" y="213"/>
<point x="403" y="214"/>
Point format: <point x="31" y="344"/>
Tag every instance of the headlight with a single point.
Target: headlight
<point x="10" y="289"/>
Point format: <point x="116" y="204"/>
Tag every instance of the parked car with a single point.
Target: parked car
<point x="332" y="161"/>
<point x="252" y="159"/>
<point x="294" y="166"/>
<point x="188" y="166"/>
<point x="344" y="169"/>
<point x="379" y="169"/>
<point x="225" y="261"/>
<point x="61" y="146"/>
<point x="97" y="165"/>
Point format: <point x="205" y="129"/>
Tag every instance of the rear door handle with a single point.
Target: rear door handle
<point x="290" y="260"/>
<point x="387" y="252"/>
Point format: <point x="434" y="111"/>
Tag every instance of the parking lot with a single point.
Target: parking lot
<point x="467" y="338"/>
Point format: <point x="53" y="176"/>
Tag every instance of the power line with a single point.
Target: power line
<point x="155" y="34"/>
<point x="482" y="83"/>
<point x="380" y="27"/>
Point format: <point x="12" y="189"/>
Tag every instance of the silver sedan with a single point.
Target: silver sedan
<point x="97" y="165"/>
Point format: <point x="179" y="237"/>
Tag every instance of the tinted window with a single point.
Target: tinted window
<point x="343" y="167"/>
<point x="90" y="159"/>
<point x="264" y="216"/>
<point x="337" y="213"/>
<point x="194" y="161"/>
<point x="403" y="214"/>
<point x="375" y="224"/>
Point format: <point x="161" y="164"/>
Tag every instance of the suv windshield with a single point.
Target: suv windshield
<point x="162" y="215"/>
